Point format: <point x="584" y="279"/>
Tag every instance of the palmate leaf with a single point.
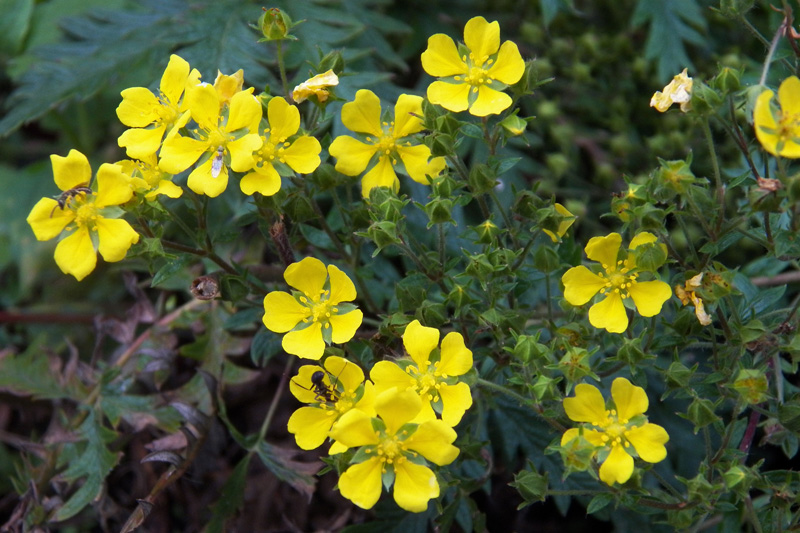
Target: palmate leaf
<point x="672" y="24"/>
<point x="102" y="47"/>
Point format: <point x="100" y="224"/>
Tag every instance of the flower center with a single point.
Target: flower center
<point x="619" y="279"/>
<point x="788" y="126"/>
<point x="392" y="450"/>
<point x="426" y="382"/>
<point x="320" y="309"/>
<point x="86" y="215"/>
<point x="616" y="430"/>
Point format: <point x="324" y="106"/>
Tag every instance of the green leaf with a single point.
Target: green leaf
<point x="14" y="24"/>
<point x="265" y="346"/>
<point x="93" y="462"/>
<point x="279" y="462"/>
<point x="32" y="374"/>
<point x="231" y="498"/>
<point x="599" y="502"/>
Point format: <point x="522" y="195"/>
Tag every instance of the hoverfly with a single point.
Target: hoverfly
<point x="216" y="163"/>
<point x="68" y="195"/>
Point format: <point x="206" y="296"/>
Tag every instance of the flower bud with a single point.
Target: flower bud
<point x="383" y="234"/>
<point x="333" y="60"/>
<point x="733" y="476"/>
<point x="527" y="204"/>
<point x="555" y="221"/>
<point x="705" y="100"/>
<point x="438" y="211"/>
<point x="544" y="388"/>
<point x="434" y="314"/>
<point x="482" y="178"/>
<point x="385" y="204"/>
<point x="529" y="349"/>
<point x="546" y="259"/>
<point x="299" y="209"/>
<point x="673" y="177"/>
<point x="575" y="364"/>
<point x="275" y="25"/>
<point x="735" y="9"/>
<point x="577" y="455"/>
<point x="487" y="232"/>
<point x="701" y="413"/>
<point x="513" y="125"/>
<point x="751" y="384"/>
<point x="728" y="80"/>
<point x="649" y="256"/>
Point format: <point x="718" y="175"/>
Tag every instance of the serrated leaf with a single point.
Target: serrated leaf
<point x="298" y="475"/>
<point x="31" y="374"/>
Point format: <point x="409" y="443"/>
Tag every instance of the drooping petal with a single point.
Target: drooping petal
<point x="581" y="284"/>
<point x="649" y="296"/>
<point x="308" y="276"/>
<point x="609" y="314"/>
<point x="348" y="374"/>
<point x="202" y="181"/>
<point x="361" y="483"/>
<point x="284" y="119"/>
<point x="509" y="65"/>
<point x="113" y="187"/>
<point x="617" y="467"/>
<point x="456" y="358"/>
<point x="352" y="156"/>
<point x="47" y="227"/>
<point x="342" y="288"/>
<point x="456" y="399"/>
<point x="418" y="163"/>
<point x="407" y="116"/>
<point x="587" y="405"/>
<point x="363" y="115"/>
<point x="115" y="237"/>
<point x="489" y="102"/>
<point x="629" y="399"/>
<point x="649" y="440"/>
<point x="303" y="155"/>
<point x="71" y="171"/>
<point x="604" y="250"/>
<point x="381" y="175"/>
<point x="387" y="375"/>
<point x="414" y="486"/>
<point x="396" y="408"/>
<point x="482" y="38"/>
<point x="138" y="107"/>
<point x="310" y="426"/>
<point x="344" y="326"/>
<point x="441" y="58"/>
<point x="354" y="429"/>
<point x="282" y="312"/>
<point x="306" y="342"/>
<point x="245" y="112"/>
<point x="265" y="180"/>
<point x="173" y="81"/>
<point x="451" y="96"/>
<point x="419" y="342"/>
<point x="76" y="255"/>
<point x="179" y="153"/>
<point x="141" y="143"/>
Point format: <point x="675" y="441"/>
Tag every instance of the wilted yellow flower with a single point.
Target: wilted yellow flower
<point x="678" y="91"/>
<point x="316" y="86"/>
<point x="687" y="294"/>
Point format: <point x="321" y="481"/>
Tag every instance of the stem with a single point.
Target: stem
<point x="282" y="68"/>
<point x="772" y="47"/>
<point x="720" y="189"/>
<point x="522" y="400"/>
<point x="506" y="219"/>
<point x="273" y="407"/>
<point x="440" y="241"/>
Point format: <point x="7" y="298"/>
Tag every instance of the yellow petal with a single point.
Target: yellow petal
<point x="363" y="115"/>
<point x="306" y="342"/>
<point x="71" y="171"/>
<point x="489" y="102"/>
<point x="397" y="408"/>
<point x="367" y="401"/>
<point x="113" y="187"/>
<point x="202" y="181"/>
<point x="414" y="486"/>
<point x="302" y="387"/>
<point x="581" y="284"/>
<point x="451" y="96"/>
<point x="361" y="483"/>
<point x="604" y="250"/>
<point x="141" y="143"/>
<point x="282" y="312"/>
<point x="482" y="38"/>
<point x="245" y="112"/>
<point x="265" y="180"/>
<point x="173" y="81"/>
<point x="115" y="238"/>
<point x="419" y="342"/>
<point x="649" y="296"/>
<point x="310" y="426"/>
<point x="617" y="467"/>
<point x="643" y="237"/>
<point x="509" y="65"/>
<point x="609" y="314"/>
<point x="456" y="399"/>
<point x="456" y="358"/>
<point x="434" y="439"/>
<point x="344" y="327"/>
<point x="45" y="226"/>
<point x="303" y="155"/>
<point x="441" y="58"/>
<point x="789" y="97"/>
<point x="139" y="107"/>
<point x="242" y="150"/>
<point x="629" y="399"/>
<point x="76" y="255"/>
<point x="418" y="163"/>
<point x="649" y="440"/>
<point x="348" y="374"/>
<point x="284" y="119"/>
<point x="587" y="405"/>
<point x="407" y="116"/>
<point x="167" y="188"/>
<point x="387" y="375"/>
<point x="179" y="153"/>
<point x="308" y="276"/>
<point x="203" y="101"/>
<point x="352" y="156"/>
<point x="354" y="429"/>
<point x="342" y="288"/>
<point x="381" y="175"/>
<point x="765" y="124"/>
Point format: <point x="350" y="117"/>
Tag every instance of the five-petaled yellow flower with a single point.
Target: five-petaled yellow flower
<point x="90" y="218"/>
<point x="149" y="116"/>
<point x="678" y="91"/>
<point x="225" y="135"/>
<point x="473" y="77"/>
<point x="432" y="373"/>
<point x="391" y="448"/>
<point x="315" y="314"/>
<point x="619" y="433"/>
<point x="300" y="155"/>
<point x="389" y="142"/>
<point x="316" y="86"/>
<point x="778" y="131"/>
<point x="617" y="282"/>
<point x="330" y="392"/>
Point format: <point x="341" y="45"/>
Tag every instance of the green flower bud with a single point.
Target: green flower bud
<point x="631" y="352"/>
<point x="438" y="211"/>
<point x="482" y="178"/>
<point x="298" y="208"/>
<point x="275" y="25"/>
<point x="558" y="164"/>
<point x="673" y="177"/>
<point x="701" y="413"/>
<point x="487" y="232"/>
<point x="728" y="80"/>
<point x="678" y="375"/>
<point x="502" y="259"/>
<point x="577" y="455"/>
<point x="793" y="188"/>
<point x="383" y="234"/>
<point x="528" y="349"/>
<point x="527" y="204"/>
<point x="531" y="485"/>
<point x="459" y="298"/>
<point x="443" y="186"/>
<point x="649" y="256"/>
<point x="752" y="385"/>
<point x="479" y="267"/>
<point x="733" y="476"/>
<point x="544" y="388"/>
<point x="705" y="100"/>
<point x="514" y="126"/>
<point x="546" y="259"/>
<point x="385" y="204"/>
<point x="433" y="314"/>
<point x="575" y="364"/>
<point x="765" y="200"/>
<point x="735" y="9"/>
<point x="699" y="488"/>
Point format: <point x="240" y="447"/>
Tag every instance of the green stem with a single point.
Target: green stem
<point x="505" y="216"/>
<point x="772" y="47"/>
<point x="282" y="68"/>
<point x="720" y="189"/>
<point x="522" y="401"/>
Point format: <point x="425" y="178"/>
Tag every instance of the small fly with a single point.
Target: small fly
<point x="216" y="163"/>
<point x="68" y="195"/>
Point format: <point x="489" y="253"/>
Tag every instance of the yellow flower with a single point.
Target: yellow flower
<point x="225" y="136"/>
<point x="389" y="140"/>
<point x="565" y="222"/>
<point x="228" y="85"/>
<point x="331" y="392"/>
<point x="316" y="86"/>
<point x="619" y="433"/>
<point x="431" y="373"/>
<point x="314" y="314"/>
<point x="617" y="282"/>
<point x="778" y="131"/>
<point x="89" y="218"/>
<point x="390" y="449"/>
<point x="300" y="155"/>
<point x="473" y="77"/>
<point x="678" y="91"/>
<point x="148" y="179"/>
<point x="150" y="116"/>
<point x="687" y="294"/>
